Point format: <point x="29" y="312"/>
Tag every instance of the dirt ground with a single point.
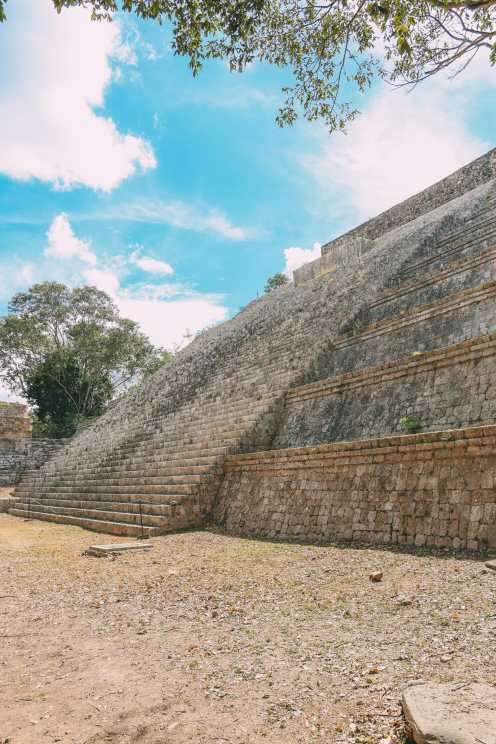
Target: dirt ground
<point x="209" y="638"/>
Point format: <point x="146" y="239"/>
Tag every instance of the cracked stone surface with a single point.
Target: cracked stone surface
<point x="451" y="713"/>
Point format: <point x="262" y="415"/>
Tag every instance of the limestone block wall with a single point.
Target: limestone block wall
<point x="15" y="420"/>
<point x="444" y="389"/>
<point x="458" y="317"/>
<point x="436" y="489"/>
<point x="331" y="261"/>
<point x="18" y="454"/>
<point x="457" y="228"/>
<point x="459" y="276"/>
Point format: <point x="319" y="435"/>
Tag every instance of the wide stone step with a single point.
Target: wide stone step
<point x="457" y="246"/>
<point x="159" y="521"/>
<point x="96" y="525"/>
<point x="177" y="446"/>
<point x="151" y="466"/>
<point x="148" y="479"/>
<point x="201" y="456"/>
<point x="141" y="488"/>
<point x="176" y="499"/>
<point x="189" y="435"/>
<point x="165" y="454"/>
<point x="132" y="507"/>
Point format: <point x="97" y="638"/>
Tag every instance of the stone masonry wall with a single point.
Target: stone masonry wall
<point x="461" y="316"/>
<point x="478" y="172"/>
<point x="18" y="454"/>
<point x="460" y="276"/>
<point x="433" y="489"/>
<point x="445" y="389"/>
<point x="14" y="420"/>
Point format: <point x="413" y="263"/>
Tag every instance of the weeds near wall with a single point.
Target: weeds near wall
<point x="411" y="424"/>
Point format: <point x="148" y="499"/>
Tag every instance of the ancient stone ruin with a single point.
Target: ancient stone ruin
<point x="358" y="402"/>
<point x="19" y="453"/>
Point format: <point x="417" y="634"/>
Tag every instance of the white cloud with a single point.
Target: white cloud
<point x="171" y="322"/>
<point x="198" y="218"/>
<point x="402" y="143"/>
<point x="63" y="244"/>
<point x="169" y="313"/>
<point x="238" y="96"/>
<point x="151" y="265"/>
<point x="56" y="70"/>
<point x="104" y="279"/>
<point x="296" y="257"/>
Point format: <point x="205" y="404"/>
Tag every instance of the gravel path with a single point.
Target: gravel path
<point x="210" y="638"/>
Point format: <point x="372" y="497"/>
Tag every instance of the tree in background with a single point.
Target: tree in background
<point x="276" y="281"/>
<point x="330" y="45"/>
<point x="68" y="352"/>
<point x="63" y="395"/>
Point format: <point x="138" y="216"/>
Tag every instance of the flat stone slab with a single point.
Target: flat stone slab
<point x="452" y="713"/>
<point x="491" y="564"/>
<point x="117" y="548"/>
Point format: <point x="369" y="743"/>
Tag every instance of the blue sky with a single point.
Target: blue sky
<point x="180" y="196"/>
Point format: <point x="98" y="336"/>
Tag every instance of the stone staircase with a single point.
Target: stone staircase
<point x="154" y="462"/>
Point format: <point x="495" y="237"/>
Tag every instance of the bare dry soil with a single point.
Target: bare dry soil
<point x="209" y="638"/>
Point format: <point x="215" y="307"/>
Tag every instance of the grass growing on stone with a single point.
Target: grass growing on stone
<point x="210" y="638"/>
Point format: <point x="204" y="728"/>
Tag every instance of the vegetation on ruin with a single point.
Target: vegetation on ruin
<point x="411" y="424"/>
<point x="68" y="352"/>
<point x="333" y="47"/>
<point x="276" y="281"/>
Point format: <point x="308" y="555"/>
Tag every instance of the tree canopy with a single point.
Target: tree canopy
<point x="69" y="352"/>
<point x="330" y="45"/>
<point x="276" y="281"/>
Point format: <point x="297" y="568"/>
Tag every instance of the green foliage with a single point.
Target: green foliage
<point x="155" y="361"/>
<point x="68" y="352"/>
<point x="62" y="394"/>
<point x="412" y="424"/>
<point x="330" y="46"/>
<point x="276" y="281"/>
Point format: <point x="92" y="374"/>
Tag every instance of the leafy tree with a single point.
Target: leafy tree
<point x="330" y="45"/>
<point x="68" y="351"/>
<point x="276" y="281"/>
<point x="63" y="395"/>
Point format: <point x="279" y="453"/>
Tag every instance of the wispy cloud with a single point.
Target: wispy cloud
<point x="402" y="143"/>
<point x="232" y="96"/>
<point x="51" y="88"/>
<point x="198" y="218"/>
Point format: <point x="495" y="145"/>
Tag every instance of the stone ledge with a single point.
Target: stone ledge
<point x="474" y="441"/>
<point x="488" y="222"/>
<point x="416" y="315"/>
<point x="330" y="262"/>
<point x="465" y="351"/>
<point x="459" y="267"/>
